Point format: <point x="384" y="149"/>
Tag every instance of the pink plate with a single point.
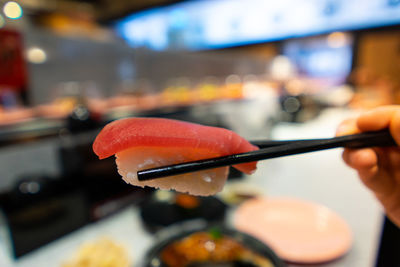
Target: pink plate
<point x="297" y="230"/>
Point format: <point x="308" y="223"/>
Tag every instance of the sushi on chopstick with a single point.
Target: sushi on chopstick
<point x="143" y="143"/>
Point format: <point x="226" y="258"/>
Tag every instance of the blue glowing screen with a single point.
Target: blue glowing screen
<point x="210" y="24"/>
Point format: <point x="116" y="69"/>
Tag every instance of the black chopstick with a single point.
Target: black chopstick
<point x="272" y="143"/>
<point x="369" y="139"/>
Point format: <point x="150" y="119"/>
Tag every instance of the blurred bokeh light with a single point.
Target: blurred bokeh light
<point x="12" y="10"/>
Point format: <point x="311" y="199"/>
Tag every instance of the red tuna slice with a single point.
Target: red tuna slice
<point x="128" y="133"/>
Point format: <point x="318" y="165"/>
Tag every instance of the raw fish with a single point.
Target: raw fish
<point x="143" y="143"/>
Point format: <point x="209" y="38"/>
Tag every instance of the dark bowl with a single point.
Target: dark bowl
<point x="157" y="214"/>
<point x="178" y="232"/>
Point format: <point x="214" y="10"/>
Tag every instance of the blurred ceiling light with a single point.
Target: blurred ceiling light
<point x="36" y="55"/>
<point x="337" y="39"/>
<point x="12" y="10"/>
<point x="2" y="21"/>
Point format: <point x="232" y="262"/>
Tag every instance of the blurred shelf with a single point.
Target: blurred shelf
<point x="37" y="128"/>
<point x="29" y="131"/>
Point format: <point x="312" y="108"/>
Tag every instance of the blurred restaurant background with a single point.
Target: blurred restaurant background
<point x="290" y="69"/>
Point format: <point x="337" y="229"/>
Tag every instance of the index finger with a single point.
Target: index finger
<point x="381" y="118"/>
<point x="376" y="119"/>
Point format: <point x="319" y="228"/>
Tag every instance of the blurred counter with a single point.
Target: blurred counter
<point x="321" y="177"/>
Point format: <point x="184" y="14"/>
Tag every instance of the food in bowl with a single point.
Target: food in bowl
<point x="103" y="252"/>
<point x="186" y="246"/>
<point x="204" y="248"/>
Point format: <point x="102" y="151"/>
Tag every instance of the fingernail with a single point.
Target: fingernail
<point x="343" y="129"/>
<point x="346" y="129"/>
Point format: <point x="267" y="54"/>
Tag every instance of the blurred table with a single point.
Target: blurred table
<point x="320" y="177"/>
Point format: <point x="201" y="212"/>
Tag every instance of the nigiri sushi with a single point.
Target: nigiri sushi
<point x="143" y="143"/>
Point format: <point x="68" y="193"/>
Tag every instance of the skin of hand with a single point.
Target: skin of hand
<point x="378" y="168"/>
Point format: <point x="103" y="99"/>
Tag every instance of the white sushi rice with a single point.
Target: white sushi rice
<point x="201" y="183"/>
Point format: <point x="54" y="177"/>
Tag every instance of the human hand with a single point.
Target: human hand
<point x="378" y="168"/>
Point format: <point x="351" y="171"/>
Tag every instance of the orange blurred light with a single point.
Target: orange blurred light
<point x="337" y="39"/>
